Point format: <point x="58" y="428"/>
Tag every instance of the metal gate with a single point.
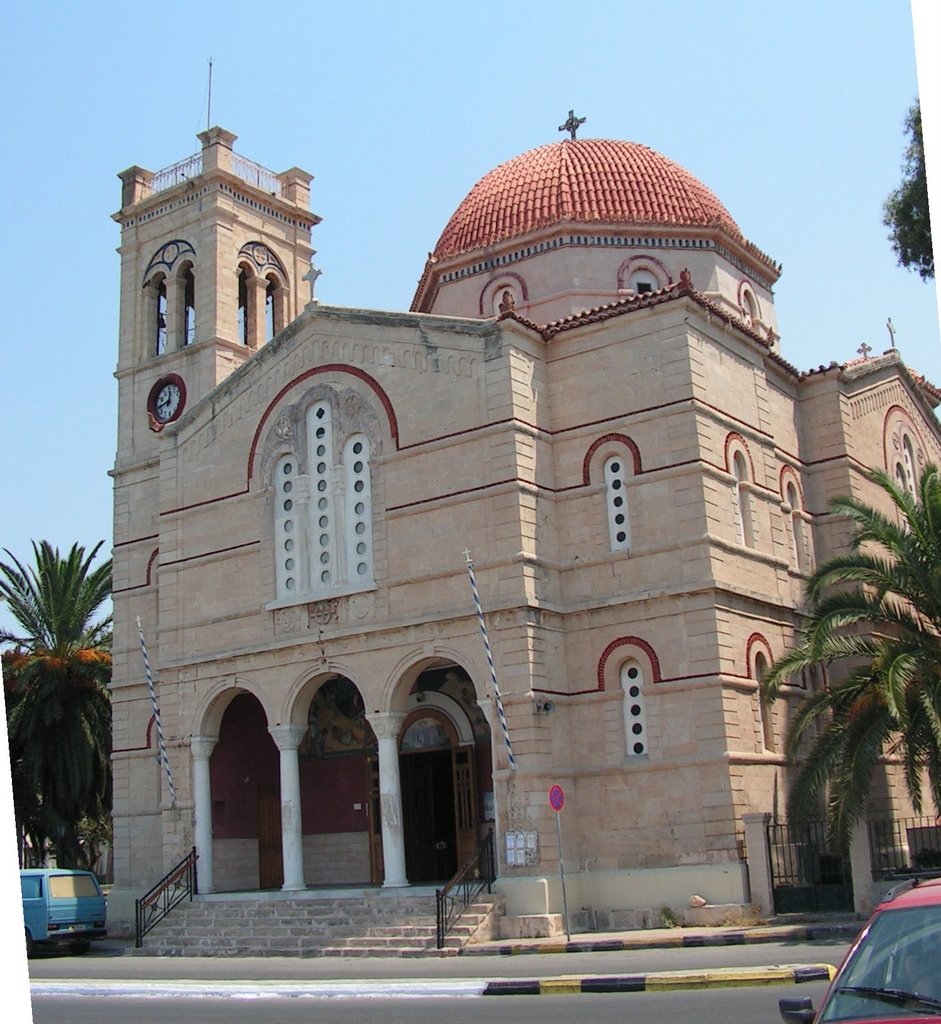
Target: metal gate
<point x="807" y="874"/>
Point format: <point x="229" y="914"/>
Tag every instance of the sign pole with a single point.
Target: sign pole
<point x="556" y="802"/>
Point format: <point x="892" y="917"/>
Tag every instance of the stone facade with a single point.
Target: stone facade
<point x="322" y="680"/>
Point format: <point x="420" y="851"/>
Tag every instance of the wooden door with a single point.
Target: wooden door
<point x="377" y="871"/>
<point x="465" y="803"/>
<point x="270" y="865"/>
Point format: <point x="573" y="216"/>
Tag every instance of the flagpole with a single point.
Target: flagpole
<point x="161" y="744"/>
<point x="501" y="714"/>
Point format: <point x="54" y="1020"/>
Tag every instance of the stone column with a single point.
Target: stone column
<point x="759" y="861"/>
<point x="386" y="727"/>
<point x="201" y="748"/>
<point x="288" y="738"/>
<point x="861" y="870"/>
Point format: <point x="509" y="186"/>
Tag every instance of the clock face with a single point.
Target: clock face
<point x="166" y="401"/>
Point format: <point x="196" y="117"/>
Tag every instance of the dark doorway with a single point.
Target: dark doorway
<point x="428" y="809"/>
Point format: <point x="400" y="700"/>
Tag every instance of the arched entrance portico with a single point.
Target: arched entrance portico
<point x="445" y="774"/>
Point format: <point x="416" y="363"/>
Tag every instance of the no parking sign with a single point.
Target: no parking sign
<point x="557" y="802"/>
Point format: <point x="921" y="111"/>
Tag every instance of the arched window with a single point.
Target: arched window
<point x="615" y="480"/>
<point x="765" y="713"/>
<point x="750" y="306"/>
<point x="274" y="306"/>
<point x="323" y="519"/>
<point x="799" y="552"/>
<point x="635" y="713"/>
<point x="908" y="460"/>
<point x="243" y="320"/>
<point x="160" y="325"/>
<point x="189" y="304"/>
<point x="742" y="504"/>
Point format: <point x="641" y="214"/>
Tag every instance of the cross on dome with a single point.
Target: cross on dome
<point x="572" y="124"/>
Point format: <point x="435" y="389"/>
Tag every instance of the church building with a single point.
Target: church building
<point x="586" y="421"/>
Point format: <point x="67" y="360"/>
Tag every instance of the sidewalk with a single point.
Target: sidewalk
<point x="665" y="938"/>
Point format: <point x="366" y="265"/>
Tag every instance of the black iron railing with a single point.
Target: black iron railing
<point x="478" y="873"/>
<point x="905" y="847"/>
<point x="178" y="884"/>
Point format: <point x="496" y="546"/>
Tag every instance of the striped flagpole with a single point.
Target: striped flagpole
<point x="493" y="671"/>
<point x="165" y="761"/>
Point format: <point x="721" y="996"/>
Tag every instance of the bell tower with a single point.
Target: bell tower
<point x="213" y="254"/>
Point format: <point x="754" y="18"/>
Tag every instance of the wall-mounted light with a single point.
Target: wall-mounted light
<point x="544" y="707"/>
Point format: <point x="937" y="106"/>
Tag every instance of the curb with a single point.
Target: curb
<point x="807" y="933"/>
<point x="663" y="981"/>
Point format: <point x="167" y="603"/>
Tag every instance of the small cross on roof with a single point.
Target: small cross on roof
<point x="572" y="124"/>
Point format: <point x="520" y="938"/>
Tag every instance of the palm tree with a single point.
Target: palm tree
<point x="881" y="630"/>
<point x="56" y="689"/>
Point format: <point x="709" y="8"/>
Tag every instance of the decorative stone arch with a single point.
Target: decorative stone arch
<point x="491" y="295"/>
<point x="633" y="265"/>
<point x="736" y="442"/>
<point x="612" y="656"/>
<point x="398" y="690"/>
<point x="256" y="454"/>
<point x="208" y="713"/>
<point x="748" y="303"/>
<point x="296" y="703"/>
<point x="167" y="257"/>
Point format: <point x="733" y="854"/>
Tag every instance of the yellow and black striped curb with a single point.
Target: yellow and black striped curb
<point x="662" y="981"/>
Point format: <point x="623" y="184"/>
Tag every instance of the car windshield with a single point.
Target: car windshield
<point x="895" y="971"/>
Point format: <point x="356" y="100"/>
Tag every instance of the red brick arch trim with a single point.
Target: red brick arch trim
<point x="755" y="640"/>
<point x="493" y="286"/>
<point x="788" y="474"/>
<point x="634" y="262"/>
<point x="151" y="562"/>
<point x="629" y="641"/>
<point x="900" y="412"/>
<point x="735" y="439"/>
<point x="353" y="371"/>
<point x="622" y="439"/>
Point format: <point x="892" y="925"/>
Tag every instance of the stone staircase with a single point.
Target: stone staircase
<point x="369" y="923"/>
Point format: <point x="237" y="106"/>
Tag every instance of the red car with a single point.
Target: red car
<point x="892" y="973"/>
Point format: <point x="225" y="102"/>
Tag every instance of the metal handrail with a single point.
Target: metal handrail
<point x="178" y="884"/>
<point x="455" y="897"/>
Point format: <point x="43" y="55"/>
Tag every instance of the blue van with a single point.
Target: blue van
<point x="62" y="906"/>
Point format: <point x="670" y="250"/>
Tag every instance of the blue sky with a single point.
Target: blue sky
<point x="791" y="112"/>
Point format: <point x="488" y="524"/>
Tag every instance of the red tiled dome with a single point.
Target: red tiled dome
<point x="588" y="181"/>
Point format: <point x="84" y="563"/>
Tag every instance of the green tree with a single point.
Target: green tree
<point x="874" y="616"/>
<point x="56" y="690"/>
<point x="905" y="212"/>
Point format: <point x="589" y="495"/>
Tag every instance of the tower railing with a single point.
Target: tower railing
<point x="242" y="167"/>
